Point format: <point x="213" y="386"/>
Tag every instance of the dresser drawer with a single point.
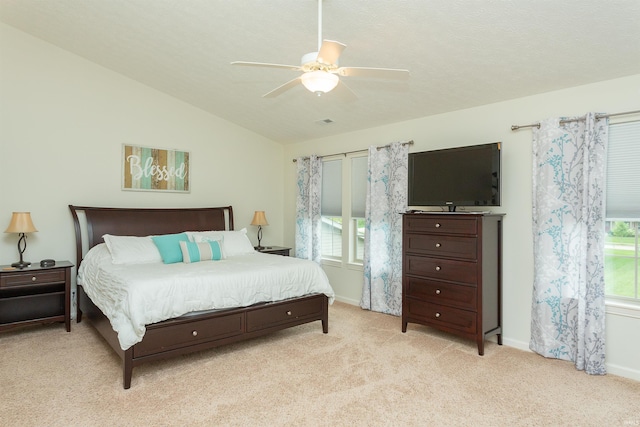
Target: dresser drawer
<point x="460" y="296"/>
<point x="32" y="278"/>
<point x="441" y="225"/>
<point x="156" y="339"/>
<point x="271" y="315"/>
<point x="442" y="269"/>
<point x="442" y="316"/>
<point x="442" y="246"/>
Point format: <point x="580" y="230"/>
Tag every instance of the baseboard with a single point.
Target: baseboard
<point x="612" y="369"/>
<point x="621" y="371"/>
<point x="520" y="345"/>
<point x="348" y="300"/>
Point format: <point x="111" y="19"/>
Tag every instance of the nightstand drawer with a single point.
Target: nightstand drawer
<point x="32" y="278"/>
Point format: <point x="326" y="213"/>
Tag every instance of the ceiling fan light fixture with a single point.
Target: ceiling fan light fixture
<point x="319" y="81"/>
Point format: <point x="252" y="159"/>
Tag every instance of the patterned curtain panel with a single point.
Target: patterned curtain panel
<point x="386" y="198"/>
<point x="568" y="313"/>
<point x="308" y="202"/>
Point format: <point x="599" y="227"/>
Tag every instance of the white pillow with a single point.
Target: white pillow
<point x="235" y="242"/>
<point x="132" y="249"/>
<point x="197" y="236"/>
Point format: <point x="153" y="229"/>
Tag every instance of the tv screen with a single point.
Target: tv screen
<point x="461" y="176"/>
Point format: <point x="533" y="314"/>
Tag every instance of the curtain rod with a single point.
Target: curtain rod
<point x="598" y="116"/>
<point x="357" y="151"/>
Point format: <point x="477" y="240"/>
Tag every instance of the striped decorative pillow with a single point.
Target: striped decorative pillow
<point x="205" y="251"/>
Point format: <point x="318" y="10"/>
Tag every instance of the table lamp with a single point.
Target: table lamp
<point x="259" y="219"/>
<point x="21" y="223"/>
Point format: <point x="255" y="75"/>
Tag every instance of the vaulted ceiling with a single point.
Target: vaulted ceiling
<point x="461" y="53"/>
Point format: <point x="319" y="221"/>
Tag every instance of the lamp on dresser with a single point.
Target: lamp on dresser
<point x="21" y="223"/>
<point x="259" y="219"/>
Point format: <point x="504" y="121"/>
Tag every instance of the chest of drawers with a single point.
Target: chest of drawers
<point x="452" y="273"/>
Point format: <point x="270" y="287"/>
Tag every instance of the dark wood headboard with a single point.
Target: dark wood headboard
<point x="94" y="222"/>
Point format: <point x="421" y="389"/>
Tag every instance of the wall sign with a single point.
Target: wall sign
<point x="155" y="169"/>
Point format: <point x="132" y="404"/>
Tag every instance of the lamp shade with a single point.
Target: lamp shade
<point x="319" y="81"/>
<point x="259" y="218"/>
<point x="21" y="223"/>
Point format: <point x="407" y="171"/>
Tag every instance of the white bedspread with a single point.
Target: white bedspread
<point x="133" y="296"/>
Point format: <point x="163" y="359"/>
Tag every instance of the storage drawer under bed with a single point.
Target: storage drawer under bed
<point x="282" y="313"/>
<point x="160" y="338"/>
<point x="182" y="332"/>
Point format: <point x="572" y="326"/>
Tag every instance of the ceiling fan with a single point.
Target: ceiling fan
<point x="320" y="70"/>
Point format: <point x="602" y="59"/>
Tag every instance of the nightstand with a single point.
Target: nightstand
<point x="35" y="295"/>
<point x="275" y="250"/>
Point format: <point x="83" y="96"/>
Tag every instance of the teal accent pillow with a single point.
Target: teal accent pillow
<point x="205" y="251"/>
<point x="169" y="246"/>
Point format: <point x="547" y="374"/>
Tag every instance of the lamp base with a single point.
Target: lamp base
<point x="21" y="264"/>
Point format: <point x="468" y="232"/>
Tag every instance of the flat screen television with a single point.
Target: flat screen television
<point x="461" y="176"/>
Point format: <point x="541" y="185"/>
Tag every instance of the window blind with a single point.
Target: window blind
<point x="359" y="172"/>
<point x="331" y="188"/>
<point x="623" y="171"/>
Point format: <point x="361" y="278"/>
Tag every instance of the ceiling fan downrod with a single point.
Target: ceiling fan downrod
<point x="319" y="24"/>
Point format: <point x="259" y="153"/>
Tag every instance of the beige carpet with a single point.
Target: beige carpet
<point x="364" y="372"/>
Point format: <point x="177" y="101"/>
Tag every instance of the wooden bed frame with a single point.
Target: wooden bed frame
<point x="192" y="332"/>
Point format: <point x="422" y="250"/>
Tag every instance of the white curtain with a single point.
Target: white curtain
<point x="308" y="203"/>
<point x="386" y="199"/>
<point x="568" y="310"/>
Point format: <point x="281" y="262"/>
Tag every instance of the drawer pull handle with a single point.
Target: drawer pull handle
<point x="437" y="268"/>
<point x="437" y="315"/>
<point x="33" y="279"/>
<point x="194" y="333"/>
<point x="437" y="225"/>
<point x="289" y="313"/>
<point x="437" y="291"/>
<point x="438" y="245"/>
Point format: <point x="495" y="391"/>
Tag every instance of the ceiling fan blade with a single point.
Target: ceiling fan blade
<point x="378" y="73"/>
<point x="264" y="64"/>
<point x="344" y="92"/>
<point x="330" y="51"/>
<point x="283" y="88"/>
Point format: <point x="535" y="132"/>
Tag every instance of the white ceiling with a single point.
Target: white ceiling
<point x="461" y="53"/>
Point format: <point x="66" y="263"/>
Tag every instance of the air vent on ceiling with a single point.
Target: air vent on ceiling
<point x="324" y="122"/>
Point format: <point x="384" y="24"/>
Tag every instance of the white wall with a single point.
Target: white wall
<point x="491" y="123"/>
<point x="63" y="121"/>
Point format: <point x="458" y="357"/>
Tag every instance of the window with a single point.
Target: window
<point x="344" y="191"/>
<point x="622" y="226"/>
